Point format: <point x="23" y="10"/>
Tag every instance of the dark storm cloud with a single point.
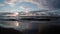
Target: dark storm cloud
<point x="54" y="4"/>
<point x="51" y="4"/>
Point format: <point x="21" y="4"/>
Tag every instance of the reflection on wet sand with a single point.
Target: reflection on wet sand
<point x="9" y="23"/>
<point x="16" y="24"/>
<point x="19" y="25"/>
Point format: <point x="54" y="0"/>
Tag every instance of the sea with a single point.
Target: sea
<point x="25" y="25"/>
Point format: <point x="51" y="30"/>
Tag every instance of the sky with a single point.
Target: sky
<point x="28" y="5"/>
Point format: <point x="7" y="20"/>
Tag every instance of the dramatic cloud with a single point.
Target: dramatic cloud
<point x="37" y="2"/>
<point x="56" y="4"/>
<point x="42" y="4"/>
<point x="51" y="4"/>
<point x="25" y="8"/>
<point x="10" y="2"/>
